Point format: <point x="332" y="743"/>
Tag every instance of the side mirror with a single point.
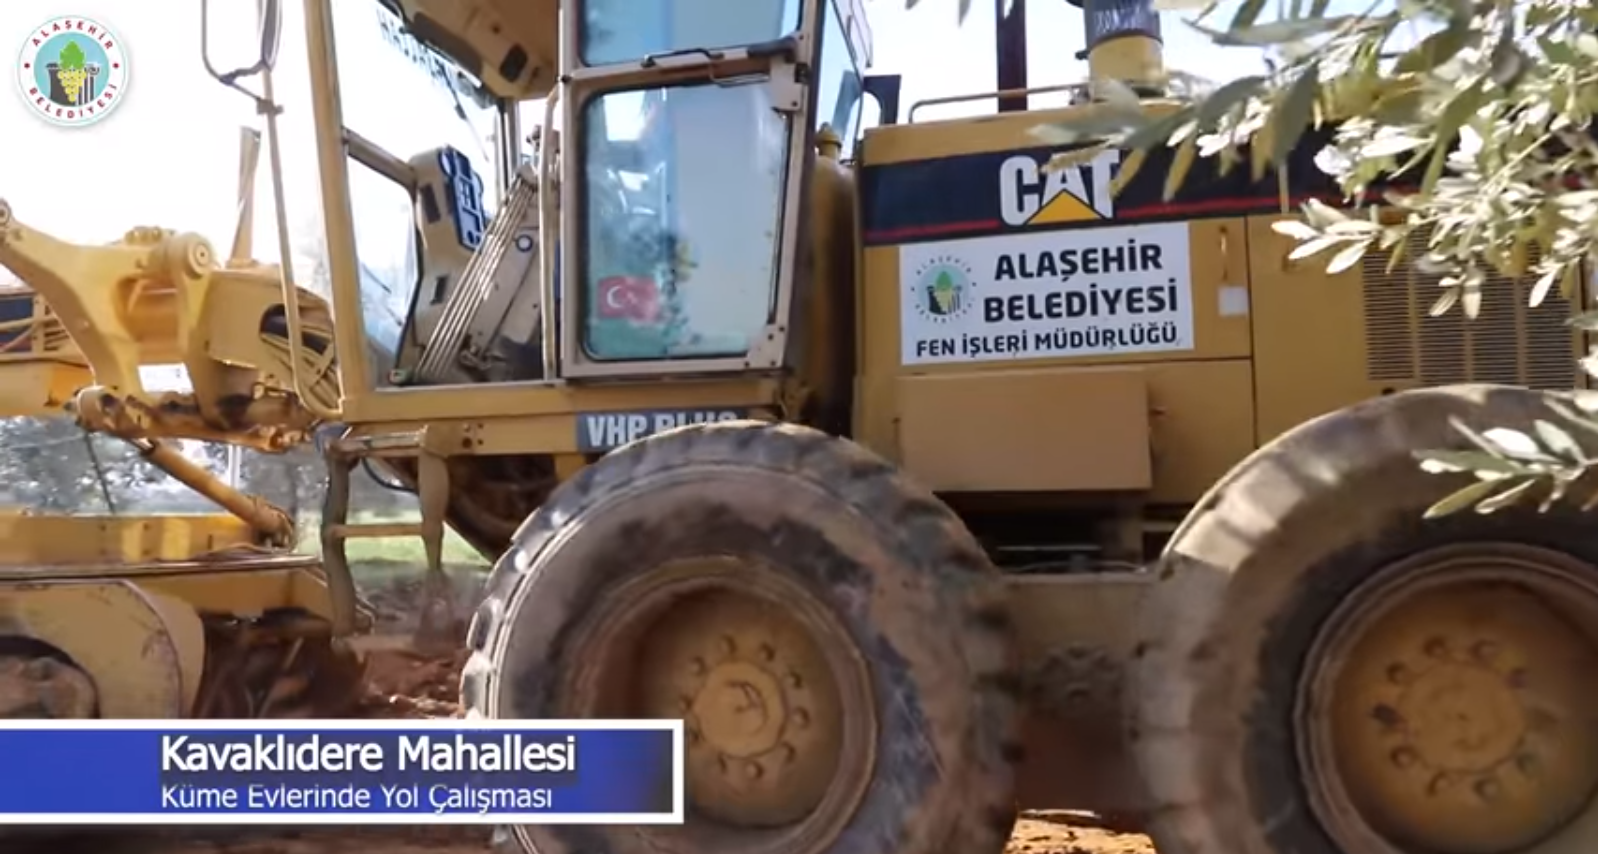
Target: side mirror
<point x="269" y="23"/>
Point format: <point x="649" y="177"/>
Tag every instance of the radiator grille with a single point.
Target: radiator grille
<point x="1508" y="342"/>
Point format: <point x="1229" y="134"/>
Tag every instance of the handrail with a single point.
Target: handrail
<point x="548" y="235"/>
<point x="285" y="251"/>
<point x="1077" y="88"/>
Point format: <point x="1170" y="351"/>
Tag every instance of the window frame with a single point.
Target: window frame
<point x="782" y="65"/>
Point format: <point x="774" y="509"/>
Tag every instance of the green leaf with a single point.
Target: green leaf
<point x="1247" y="13"/>
<point x="1222" y="100"/>
<point x="1539" y="291"/>
<point x="1277" y="32"/>
<point x="1074" y="157"/>
<point x="1321" y="214"/>
<point x="1294" y="229"/>
<point x="1400" y="107"/>
<point x="1180" y="164"/>
<point x="1434" y="50"/>
<point x="1459" y="110"/>
<point x="1313" y="247"/>
<point x="1508" y="63"/>
<point x="1508" y="497"/>
<point x="1156" y="133"/>
<point x="71" y="56"/>
<point x="1387" y="145"/>
<point x="1115" y="93"/>
<point x="1293" y="114"/>
<point x="1558" y="51"/>
<point x="1345" y="259"/>
<point x="1587" y="321"/>
<point x="1556" y="439"/>
<point x="1128" y="171"/>
<point x="1466" y="461"/>
<point x="1091" y="126"/>
<point x="1515" y="444"/>
<point x="1444" y="303"/>
<point x="1463" y="498"/>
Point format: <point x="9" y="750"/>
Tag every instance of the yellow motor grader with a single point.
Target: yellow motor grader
<point x="154" y="615"/>
<point x="923" y="482"/>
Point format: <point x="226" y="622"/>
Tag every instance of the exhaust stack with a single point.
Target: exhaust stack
<point x="1124" y="43"/>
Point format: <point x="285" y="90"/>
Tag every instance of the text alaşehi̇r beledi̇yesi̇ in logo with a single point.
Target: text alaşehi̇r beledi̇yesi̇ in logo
<point x="73" y="70"/>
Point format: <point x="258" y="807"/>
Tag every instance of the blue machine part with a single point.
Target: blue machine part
<point x="16" y="308"/>
<point x="464" y="191"/>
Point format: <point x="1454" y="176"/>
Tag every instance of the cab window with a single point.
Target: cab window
<point x="626" y="30"/>
<point x="683" y="190"/>
<point x="381" y="65"/>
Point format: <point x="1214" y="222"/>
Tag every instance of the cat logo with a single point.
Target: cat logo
<point x="1028" y="196"/>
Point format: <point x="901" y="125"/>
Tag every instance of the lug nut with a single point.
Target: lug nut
<point x="1440" y="784"/>
<point x="1387" y="715"/>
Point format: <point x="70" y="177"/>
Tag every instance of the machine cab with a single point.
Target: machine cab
<point x="656" y="223"/>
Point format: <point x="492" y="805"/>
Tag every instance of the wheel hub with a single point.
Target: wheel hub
<point x="741" y="710"/>
<point x="1461" y="715"/>
<point x="1465" y="718"/>
<point x="762" y="713"/>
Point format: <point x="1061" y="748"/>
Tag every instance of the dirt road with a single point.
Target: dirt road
<point x="411" y="686"/>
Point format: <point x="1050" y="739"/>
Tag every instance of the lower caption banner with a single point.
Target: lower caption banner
<point x="341" y="772"/>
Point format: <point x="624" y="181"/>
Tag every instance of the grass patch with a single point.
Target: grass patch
<point x="392" y="552"/>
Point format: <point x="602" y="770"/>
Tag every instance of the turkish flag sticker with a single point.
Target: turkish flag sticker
<point x="634" y="298"/>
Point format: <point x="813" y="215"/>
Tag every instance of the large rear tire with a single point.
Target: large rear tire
<point x="1322" y="670"/>
<point x="831" y="633"/>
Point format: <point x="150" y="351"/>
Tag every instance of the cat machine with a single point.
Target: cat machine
<point x="924" y="482"/>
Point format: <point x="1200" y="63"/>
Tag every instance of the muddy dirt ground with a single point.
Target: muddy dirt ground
<point x="406" y="685"/>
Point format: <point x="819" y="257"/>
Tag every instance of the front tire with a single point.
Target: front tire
<point x="1322" y="671"/>
<point x="832" y="635"/>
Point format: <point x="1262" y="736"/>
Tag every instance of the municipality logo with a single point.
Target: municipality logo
<point x="942" y="289"/>
<point x="73" y="71"/>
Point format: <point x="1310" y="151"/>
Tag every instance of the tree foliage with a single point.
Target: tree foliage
<point x="1466" y="122"/>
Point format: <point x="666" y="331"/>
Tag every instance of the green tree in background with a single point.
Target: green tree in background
<point x="51" y="465"/>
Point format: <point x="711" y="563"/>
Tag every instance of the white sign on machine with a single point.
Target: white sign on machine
<point x="1079" y="292"/>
